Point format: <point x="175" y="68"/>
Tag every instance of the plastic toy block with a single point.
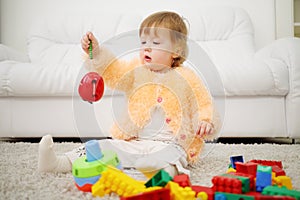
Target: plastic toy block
<point x="81" y="168"/>
<point x="85" y="184"/>
<point x="268" y="163"/>
<point x="114" y="180"/>
<point x="159" y="194"/>
<point x="246" y="168"/>
<point x="83" y="181"/>
<point x="278" y="171"/>
<point x="161" y="178"/>
<point x="245" y="181"/>
<point x="183" y="180"/>
<point x="230" y="169"/>
<point x="275" y="190"/>
<point x="180" y="193"/>
<point x="209" y="191"/>
<point x="202" y="196"/>
<point x="259" y="196"/>
<point x="93" y="151"/>
<point x="251" y="179"/>
<point x="85" y="188"/>
<point x="226" y="184"/>
<point x="234" y="159"/>
<point x="283" y="181"/>
<point x="230" y="196"/>
<point x="263" y="177"/>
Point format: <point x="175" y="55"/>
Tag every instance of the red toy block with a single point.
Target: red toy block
<point x="152" y="195"/>
<point x="251" y="178"/>
<point x="183" y="180"/>
<point x="268" y="162"/>
<point x="85" y="188"/>
<point x="246" y="168"/>
<point x="278" y="171"/>
<point x="209" y="191"/>
<point x="226" y="184"/>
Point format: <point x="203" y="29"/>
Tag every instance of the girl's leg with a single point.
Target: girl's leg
<point x="49" y="161"/>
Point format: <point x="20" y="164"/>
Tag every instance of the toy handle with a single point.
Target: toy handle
<point x="91" y="50"/>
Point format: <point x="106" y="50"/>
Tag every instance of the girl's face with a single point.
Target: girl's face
<point x="156" y="49"/>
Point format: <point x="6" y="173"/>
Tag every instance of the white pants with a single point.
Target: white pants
<point x="155" y="155"/>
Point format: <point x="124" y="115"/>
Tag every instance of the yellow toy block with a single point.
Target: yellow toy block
<point x="230" y="169"/>
<point x="180" y="193"/>
<point x="283" y="181"/>
<point x="114" y="180"/>
<point x="202" y="196"/>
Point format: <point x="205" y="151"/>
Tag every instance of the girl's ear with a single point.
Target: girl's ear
<point x="176" y="53"/>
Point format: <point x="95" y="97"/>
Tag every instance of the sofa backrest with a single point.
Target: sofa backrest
<point x="225" y="33"/>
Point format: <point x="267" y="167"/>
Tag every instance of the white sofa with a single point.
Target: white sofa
<point x="258" y="93"/>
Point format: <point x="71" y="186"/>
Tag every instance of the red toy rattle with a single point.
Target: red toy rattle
<point x="91" y="86"/>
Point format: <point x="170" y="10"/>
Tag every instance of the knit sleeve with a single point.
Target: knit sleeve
<point x="205" y="106"/>
<point x="117" y="73"/>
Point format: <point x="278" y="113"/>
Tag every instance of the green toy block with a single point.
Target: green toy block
<point x="161" y="178"/>
<point x="231" y="196"/>
<point x="245" y="181"/>
<point x="83" y="169"/>
<point x="275" y="190"/>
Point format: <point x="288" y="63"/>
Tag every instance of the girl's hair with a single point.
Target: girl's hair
<point x="177" y="28"/>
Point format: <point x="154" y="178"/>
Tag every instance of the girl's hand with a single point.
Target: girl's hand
<point x="205" y="128"/>
<point x="85" y="43"/>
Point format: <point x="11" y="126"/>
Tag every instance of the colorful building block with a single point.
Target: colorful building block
<point x="226" y="184"/>
<point x="81" y="168"/>
<point x="246" y="168"/>
<point x="230" y="196"/>
<point x="275" y="190"/>
<point x="183" y="180"/>
<point x="180" y="193"/>
<point x="268" y="163"/>
<point x="263" y="177"/>
<point x="244" y="180"/>
<point x="160" y="194"/>
<point x="114" y="180"/>
<point x="234" y="159"/>
<point x="161" y="178"/>
<point x="251" y="179"/>
<point x="283" y="181"/>
<point x="208" y="190"/>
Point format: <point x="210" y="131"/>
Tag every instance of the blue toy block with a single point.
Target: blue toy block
<point x="263" y="177"/>
<point x="83" y="181"/>
<point x="93" y="151"/>
<point x="234" y="159"/>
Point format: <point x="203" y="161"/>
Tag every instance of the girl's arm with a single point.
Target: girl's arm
<point x="117" y="74"/>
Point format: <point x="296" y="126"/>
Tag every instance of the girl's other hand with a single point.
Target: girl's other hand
<point x="205" y="128"/>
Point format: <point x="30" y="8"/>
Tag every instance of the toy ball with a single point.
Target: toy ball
<point x="91" y="87"/>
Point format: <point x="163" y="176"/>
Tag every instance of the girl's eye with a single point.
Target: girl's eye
<point x="156" y="43"/>
<point x="143" y="42"/>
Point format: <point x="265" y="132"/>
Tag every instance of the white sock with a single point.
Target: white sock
<point x="48" y="161"/>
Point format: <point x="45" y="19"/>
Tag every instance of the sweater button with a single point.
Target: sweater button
<point x="168" y="120"/>
<point x="159" y="99"/>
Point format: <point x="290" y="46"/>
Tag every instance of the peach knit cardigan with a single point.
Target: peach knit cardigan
<point x="180" y="93"/>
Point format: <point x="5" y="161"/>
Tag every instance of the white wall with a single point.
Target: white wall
<point x="17" y="15"/>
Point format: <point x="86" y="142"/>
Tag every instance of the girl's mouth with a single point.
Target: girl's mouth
<point x="147" y="58"/>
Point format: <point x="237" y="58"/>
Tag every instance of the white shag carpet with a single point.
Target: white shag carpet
<point x="19" y="178"/>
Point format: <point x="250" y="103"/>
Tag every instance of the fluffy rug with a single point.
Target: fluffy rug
<point x="19" y="178"/>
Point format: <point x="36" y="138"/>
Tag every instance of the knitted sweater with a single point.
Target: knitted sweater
<point x="180" y="92"/>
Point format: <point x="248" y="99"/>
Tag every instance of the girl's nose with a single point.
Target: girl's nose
<point x="148" y="48"/>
